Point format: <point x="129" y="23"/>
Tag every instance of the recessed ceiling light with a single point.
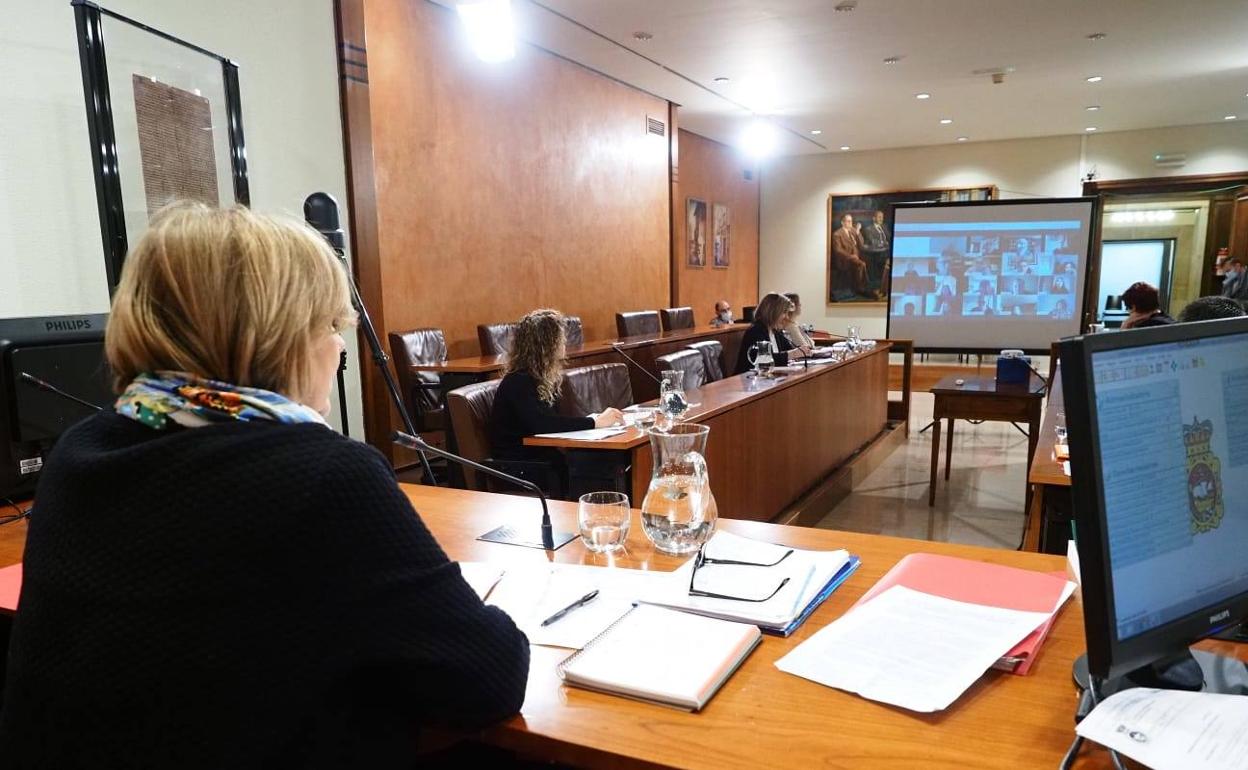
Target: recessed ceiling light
<point x="893" y="59"/>
<point x="846" y="6"/>
<point x="1095" y="36"/>
<point x="759" y="138"/>
<point x="1092" y="107"/>
<point x="642" y="36"/>
<point x="845" y="147"/>
<point x="1230" y="117"/>
<point x="721" y="80"/>
<point x="1090" y="129"/>
<point x="946" y="121"/>
<point x="1094" y="79"/>
<point x="929" y="96"/>
<point x="815" y="132"/>
<point x="963" y="138"/>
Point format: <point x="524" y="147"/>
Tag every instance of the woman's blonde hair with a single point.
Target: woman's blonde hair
<point x="772" y="309"/>
<point x="226" y="294"/>
<point x="538" y="349"/>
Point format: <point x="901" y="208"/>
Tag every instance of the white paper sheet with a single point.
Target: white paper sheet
<point x="593" y="434"/>
<point x="532" y="594"/>
<point x="910" y="649"/>
<point x="1173" y="729"/>
<point x="481" y="577"/>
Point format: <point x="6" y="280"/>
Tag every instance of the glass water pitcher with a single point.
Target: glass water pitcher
<point x="679" y="512"/>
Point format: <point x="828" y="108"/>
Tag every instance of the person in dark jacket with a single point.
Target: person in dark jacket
<point x="770" y="317"/>
<point x="1144" y="302"/>
<point x="215" y="578"/>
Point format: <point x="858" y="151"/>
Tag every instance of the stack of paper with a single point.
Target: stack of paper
<point x="811" y="575"/>
<point x="910" y="649"/>
<point x="591" y="434"/>
<point x="1173" y="729"/>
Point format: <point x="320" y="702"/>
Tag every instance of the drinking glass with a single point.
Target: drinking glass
<point x="604" y="519"/>
<point x="854" y="338"/>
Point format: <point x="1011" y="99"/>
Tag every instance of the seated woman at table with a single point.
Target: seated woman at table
<point x="798" y="337"/>
<point x="216" y="578"/>
<point x="770" y="318"/>
<point x="1144" y="302"/>
<point x="525" y="402"/>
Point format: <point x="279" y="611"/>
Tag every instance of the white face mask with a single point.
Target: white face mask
<point x="726" y="316"/>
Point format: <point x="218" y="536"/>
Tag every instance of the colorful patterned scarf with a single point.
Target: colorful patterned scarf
<point x="156" y="399"/>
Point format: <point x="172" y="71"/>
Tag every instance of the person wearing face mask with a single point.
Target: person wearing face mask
<point x="1235" y="282"/>
<point x="798" y="337"/>
<point x="723" y="314"/>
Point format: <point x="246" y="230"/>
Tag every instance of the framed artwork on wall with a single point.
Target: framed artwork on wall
<point x="695" y="232"/>
<point x="859" y="251"/>
<point x="722" y="229"/>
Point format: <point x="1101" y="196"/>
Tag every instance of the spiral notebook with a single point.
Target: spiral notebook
<point x="662" y="656"/>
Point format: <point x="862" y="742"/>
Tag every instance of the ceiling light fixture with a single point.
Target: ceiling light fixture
<point x="844" y="148"/>
<point x="923" y="96"/>
<point x="1096" y="36"/>
<point x="490" y="29"/>
<point x="815" y="132"/>
<point x="759" y="138"/>
<point x="721" y="79"/>
<point x="846" y="6"/>
<point x="946" y="121"/>
<point x="642" y="35"/>
<point x="963" y="138"/>
<point x="1146" y="216"/>
<point x="1094" y="79"/>
<point x="1229" y="117"/>
<point x="893" y="59"/>
<point x="1092" y="107"/>
<point x="1090" y="129"/>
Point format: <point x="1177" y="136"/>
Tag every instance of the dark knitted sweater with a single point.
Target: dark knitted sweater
<point x="236" y="596"/>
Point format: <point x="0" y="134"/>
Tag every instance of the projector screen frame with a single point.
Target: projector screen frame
<point x="1089" y="270"/>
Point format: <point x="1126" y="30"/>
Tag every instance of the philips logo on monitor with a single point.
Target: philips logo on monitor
<point x="68" y="325"/>
<point x="1221" y="616"/>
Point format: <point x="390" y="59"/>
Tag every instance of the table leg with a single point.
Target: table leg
<point x="1033" y="521"/>
<point x="949" y="449"/>
<point x="931" y="491"/>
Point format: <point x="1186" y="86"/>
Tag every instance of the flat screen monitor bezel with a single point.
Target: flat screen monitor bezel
<point x="1108" y="655"/>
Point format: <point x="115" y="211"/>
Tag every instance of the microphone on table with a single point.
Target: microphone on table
<point x="48" y="387"/>
<point x="550" y="540"/>
<point x="616" y="347"/>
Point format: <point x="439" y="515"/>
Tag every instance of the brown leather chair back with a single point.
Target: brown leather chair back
<point x="420" y="389"/>
<point x="637" y="322"/>
<point x="495" y="339"/>
<point x="576" y="334"/>
<point x="687" y="361"/>
<point x="470" y="408"/>
<point x="588" y="389"/>
<point x="676" y="318"/>
<point x="712" y="358"/>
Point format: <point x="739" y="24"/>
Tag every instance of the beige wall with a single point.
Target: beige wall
<point x="796" y="188"/>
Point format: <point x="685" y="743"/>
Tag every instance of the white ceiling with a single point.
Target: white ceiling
<point x="1164" y="63"/>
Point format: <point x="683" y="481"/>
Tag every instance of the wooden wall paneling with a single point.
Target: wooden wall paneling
<point x="715" y="173"/>
<point x="501" y="188"/>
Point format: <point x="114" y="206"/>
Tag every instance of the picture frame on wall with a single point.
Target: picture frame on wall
<point x="858" y="260"/>
<point x="695" y="232"/>
<point x="721" y="227"/>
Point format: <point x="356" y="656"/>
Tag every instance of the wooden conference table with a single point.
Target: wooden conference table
<point x="982" y="398"/>
<point x="771" y="440"/>
<point x="763" y="717"/>
<point x="1050" y="486"/>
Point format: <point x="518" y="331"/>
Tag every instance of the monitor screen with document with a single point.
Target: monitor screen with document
<point x="1158" y="427"/>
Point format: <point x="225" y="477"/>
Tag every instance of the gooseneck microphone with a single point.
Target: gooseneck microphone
<point x="44" y="385"/>
<point x="616" y="347"/>
<point x="321" y="212"/>
<point x="550" y="540"/>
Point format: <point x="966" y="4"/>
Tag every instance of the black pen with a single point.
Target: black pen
<point x="581" y="602"/>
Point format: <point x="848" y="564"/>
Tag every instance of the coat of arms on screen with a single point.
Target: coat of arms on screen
<point x="1204" y="477"/>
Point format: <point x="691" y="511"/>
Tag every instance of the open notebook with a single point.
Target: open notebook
<point x="662" y="656"/>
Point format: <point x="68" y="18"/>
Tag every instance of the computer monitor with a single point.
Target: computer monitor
<point x="66" y="353"/>
<point x="1158" y="431"/>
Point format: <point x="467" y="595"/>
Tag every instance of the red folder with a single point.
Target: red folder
<point x="978" y="582"/>
<point x="10" y="587"/>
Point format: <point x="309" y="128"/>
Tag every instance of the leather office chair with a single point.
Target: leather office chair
<point x="637" y="322"/>
<point x="712" y="358"/>
<point x="575" y="332"/>
<point x="589" y="389"/>
<point x="495" y="339"/>
<point x="687" y="361"/>
<point x="470" y="408"/>
<point x="747" y="313"/>
<point x="422" y="394"/>
<point x="676" y="318"/>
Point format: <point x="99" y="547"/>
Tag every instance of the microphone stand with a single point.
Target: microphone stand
<point x="550" y="540"/>
<point x="616" y="347"/>
<point x="48" y="387"/>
